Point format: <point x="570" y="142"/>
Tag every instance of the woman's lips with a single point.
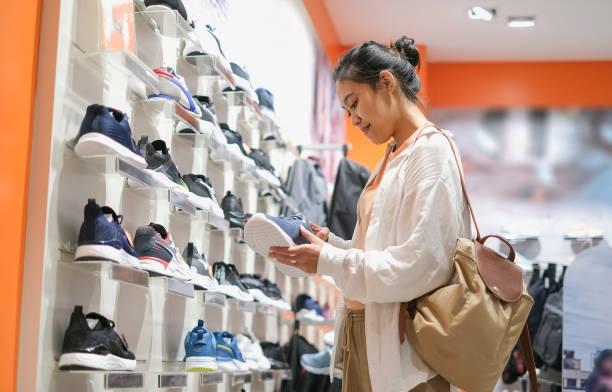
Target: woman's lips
<point x="365" y="129"/>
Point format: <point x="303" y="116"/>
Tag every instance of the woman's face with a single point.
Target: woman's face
<point x="369" y="108"/>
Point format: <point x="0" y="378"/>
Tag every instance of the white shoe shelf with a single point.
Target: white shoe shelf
<point x="153" y="312"/>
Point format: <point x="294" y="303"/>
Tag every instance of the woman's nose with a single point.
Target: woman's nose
<point x="355" y="120"/>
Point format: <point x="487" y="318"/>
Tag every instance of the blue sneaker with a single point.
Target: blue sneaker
<point x="172" y="87"/>
<point x="200" y="350"/>
<point x="229" y="356"/>
<point x="106" y="131"/>
<point x="307" y="308"/>
<point x="263" y="231"/>
<point x="317" y="363"/>
<point x="101" y="239"/>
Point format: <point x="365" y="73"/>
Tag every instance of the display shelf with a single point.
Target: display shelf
<point x="242" y="306"/>
<point x="241" y="98"/>
<point x="206" y="65"/>
<point x="205" y="216"/>
<point x="168" y="22"/>
<point x="211" y="378"/>
<point x="264" y="375"/>
<point x="215" y="299"/>
<point x="219" y="152"/>
<point x="110" y="269"/>
<point x="176" y="287"/>
<point x="172" y="110"/>
<point x="107" y="64"/>
<point x="240" y="378"/>
<point x="110" y="164"/>
<point x="107" y="380"/>
<point x="268" y="310"/>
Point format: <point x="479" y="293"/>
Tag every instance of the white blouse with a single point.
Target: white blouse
<point x="418" y="213"/>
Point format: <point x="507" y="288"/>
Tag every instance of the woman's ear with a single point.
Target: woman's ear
<point x="386" y="81"/>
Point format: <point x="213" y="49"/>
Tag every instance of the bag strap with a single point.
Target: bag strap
<point x="465" y="193"/>
<point x="525" y="342"/>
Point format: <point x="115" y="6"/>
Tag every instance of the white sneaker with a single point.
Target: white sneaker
<point x="253" y="353"/>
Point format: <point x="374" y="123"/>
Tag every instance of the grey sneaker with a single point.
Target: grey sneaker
<point x="159" y="162"/>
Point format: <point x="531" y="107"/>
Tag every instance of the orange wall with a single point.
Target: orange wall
<point x="19" y="27"/>
<point x="521" y="84"/>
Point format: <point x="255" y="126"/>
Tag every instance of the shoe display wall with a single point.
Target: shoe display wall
<point x="166" y="168"/>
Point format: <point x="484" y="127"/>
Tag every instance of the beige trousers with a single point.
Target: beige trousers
<point x="355" y="374"/>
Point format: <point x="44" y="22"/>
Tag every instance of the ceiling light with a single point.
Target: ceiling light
<point x="481" y="13"/>
<point x="521" y="22"/>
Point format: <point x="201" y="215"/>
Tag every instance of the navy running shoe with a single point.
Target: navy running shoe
<point x="200" y="350"/>
<point x="263" y="231"/>
<point x="106" y="131"/>
<point x="101" y="239"/>
<point x="307" y="308"/>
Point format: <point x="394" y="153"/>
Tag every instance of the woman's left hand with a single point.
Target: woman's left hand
<point x="304" y="257"/>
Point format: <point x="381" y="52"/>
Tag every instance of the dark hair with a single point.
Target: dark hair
<point x="364" y="62"/>
<point x="592" y="383"/>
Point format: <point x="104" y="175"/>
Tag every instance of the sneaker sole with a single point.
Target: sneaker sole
<point x="200" y="364"/>
<point x="95" y="361"/>
<point x="94" y="143"/>
<point x="261" y="234"/>
<point x="105" y="252"/>
<point x="314" y="370"/>
<point x="176" y="90"/>
<point x="261" y="297"/>
<point x="233" y="292"/>
<point x="152" y="265"/>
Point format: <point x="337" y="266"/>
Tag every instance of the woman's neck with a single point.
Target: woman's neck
<point x="411" y="119"/>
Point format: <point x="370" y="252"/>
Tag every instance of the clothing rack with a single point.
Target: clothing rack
<point x="325" y="147"/>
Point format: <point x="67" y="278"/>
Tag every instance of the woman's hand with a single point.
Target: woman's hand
<point x="304" y="257"/>
<point x="321" y="232"/>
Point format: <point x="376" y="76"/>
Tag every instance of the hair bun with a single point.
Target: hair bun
<point x="406" y="48"/>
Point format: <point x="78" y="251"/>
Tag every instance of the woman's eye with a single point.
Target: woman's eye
<point x="354" y="105"/>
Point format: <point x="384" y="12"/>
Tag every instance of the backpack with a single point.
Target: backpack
<point x="548" y="342"/>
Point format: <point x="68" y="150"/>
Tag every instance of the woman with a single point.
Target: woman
<point x="600" y="379"/>
<point x="410" y="215"/>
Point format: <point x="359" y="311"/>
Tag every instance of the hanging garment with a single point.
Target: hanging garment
<point x="301" y="380"/>
<point x="350" y="181"/>
<point x="307" y="187"/>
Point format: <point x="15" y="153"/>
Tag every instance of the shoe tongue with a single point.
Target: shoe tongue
<point x="160" y="145"/>
<point x="160" y="229"/>
<point x="97" y="322"/>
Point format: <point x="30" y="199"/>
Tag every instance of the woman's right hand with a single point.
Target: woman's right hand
<point x="321" y="232"/>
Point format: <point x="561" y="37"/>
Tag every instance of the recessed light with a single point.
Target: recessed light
<point x="481" y="13"/>
<point x="521" y="22"/>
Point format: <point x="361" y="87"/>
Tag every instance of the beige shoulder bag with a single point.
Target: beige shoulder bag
<point x="466" y="331"/>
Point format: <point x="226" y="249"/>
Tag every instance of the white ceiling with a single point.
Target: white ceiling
<point x="565" y="29"/>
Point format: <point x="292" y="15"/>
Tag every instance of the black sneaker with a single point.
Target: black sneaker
<point x="159" y="162"/>
<point x="90" y="342"/>
<point x="176" y="5"/>
<point x="199" y="266"/>
<point x="255" y="286"/>
<point x="202" y="194"/>
<point x="229" y="281"/>
<point x="275" y="354"/>
<point x="262" y="159"/>
<point x="233" y="211"/>
<point x="272" y="291"/>
<point x="234" y="139"/>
